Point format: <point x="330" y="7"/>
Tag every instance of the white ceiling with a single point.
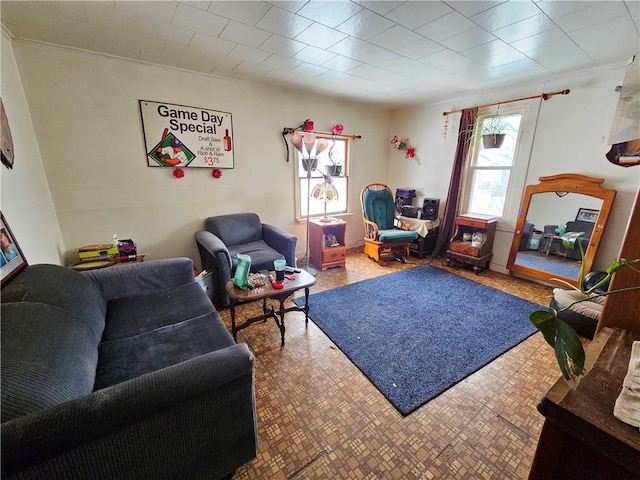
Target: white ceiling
<point x="391" y="52"/>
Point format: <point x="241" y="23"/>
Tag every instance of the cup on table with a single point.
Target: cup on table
<point x="278" y="266"/>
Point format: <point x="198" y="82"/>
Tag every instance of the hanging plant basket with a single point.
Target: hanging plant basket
<point x="493" y="140"/>
<point x="333" y="170"/>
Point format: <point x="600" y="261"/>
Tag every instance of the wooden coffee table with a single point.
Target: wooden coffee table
<point x="238" y="295"/>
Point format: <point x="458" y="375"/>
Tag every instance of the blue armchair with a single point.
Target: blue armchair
<point x="225" y="236"/>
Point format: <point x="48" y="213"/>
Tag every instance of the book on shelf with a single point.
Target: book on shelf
<point x="92" y="254"/>
<point x="128" y="258"/>
<point x="98" y="258"/>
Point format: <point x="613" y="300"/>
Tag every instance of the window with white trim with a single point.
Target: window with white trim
<point x="489" y="169"/>
<point x="336" y="154"/>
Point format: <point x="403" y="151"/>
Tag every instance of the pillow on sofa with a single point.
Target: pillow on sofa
<point x="48" y="357"/>
<point x="60" y="287"/>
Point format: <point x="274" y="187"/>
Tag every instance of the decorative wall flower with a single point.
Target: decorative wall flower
<point x="178" y="172"/>
<point x="337" y="129"/>
<point x="216" y="173"/>
<point x="404" y="145"/>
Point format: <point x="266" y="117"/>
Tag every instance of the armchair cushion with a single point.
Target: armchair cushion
<point x="379" y="207"/>
<point x="396" y="235"/>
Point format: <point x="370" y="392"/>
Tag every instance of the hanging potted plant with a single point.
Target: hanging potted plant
<point x="335" y="168"/>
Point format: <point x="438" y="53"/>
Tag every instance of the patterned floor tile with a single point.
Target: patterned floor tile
<point x="319" y="417"/>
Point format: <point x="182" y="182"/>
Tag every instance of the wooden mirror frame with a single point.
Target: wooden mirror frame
<point x="570" y="183"/>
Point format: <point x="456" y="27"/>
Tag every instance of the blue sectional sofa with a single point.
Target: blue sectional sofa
<point x="123" y="372"/>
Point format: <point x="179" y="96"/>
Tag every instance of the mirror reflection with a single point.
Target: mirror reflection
<point x="549" y="216"/>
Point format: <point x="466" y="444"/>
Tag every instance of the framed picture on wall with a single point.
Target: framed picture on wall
<point x="587" y="215"/>
<point x="12" y="260"/>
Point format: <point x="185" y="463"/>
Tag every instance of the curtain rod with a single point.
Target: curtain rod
<point x="544" y="96"/>
<point x="287" y="130"/>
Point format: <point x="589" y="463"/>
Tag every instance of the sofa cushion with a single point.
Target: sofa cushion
<point x="262" y="255"/>
<point x="48" y="357"/>
<point x="126" y="358"/>
<point x="129" y="316"/>
<point x="63" y="288"/>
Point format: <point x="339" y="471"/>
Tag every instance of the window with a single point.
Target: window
<point x="338" y="151"/>
<point x="490" y="169"/>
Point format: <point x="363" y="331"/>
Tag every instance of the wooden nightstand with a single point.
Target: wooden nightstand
<point x="322" y="253"/>
<point x="467" y="251"/>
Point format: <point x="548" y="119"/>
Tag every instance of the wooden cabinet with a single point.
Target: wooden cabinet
<point x="326" y="243"/>
<point x="472" y="241"/>
<point x="581" y="438"/>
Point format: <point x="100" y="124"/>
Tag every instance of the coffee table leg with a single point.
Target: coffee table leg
<point x="281" y="325"/>
<point x="306" y="305"/>
<point x="232" y="311"/>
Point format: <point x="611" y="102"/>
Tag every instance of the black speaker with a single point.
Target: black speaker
<point x="430" y="208"/>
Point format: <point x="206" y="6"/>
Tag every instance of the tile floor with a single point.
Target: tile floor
<point x="320" y="418"/>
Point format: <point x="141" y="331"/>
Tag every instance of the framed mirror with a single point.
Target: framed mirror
<point x="558" y="204"/>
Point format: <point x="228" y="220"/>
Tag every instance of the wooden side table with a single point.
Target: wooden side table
<point x="467" y="251"/>
<point x="580" y="437"/>
<point x="322" y="253"/>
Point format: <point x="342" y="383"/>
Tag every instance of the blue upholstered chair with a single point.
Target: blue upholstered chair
<point x="381" y="237"/>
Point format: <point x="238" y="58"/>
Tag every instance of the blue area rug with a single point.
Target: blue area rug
<point x="418" y="332"/>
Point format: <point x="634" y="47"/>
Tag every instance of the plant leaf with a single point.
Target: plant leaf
<point x="543" y="320"/>
<point x="569" y="350"/>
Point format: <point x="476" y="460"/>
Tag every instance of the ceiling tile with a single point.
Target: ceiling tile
<point x="328" y="12"/>
<point x="395" y="37"/>
<point x="283" y="23"/>
<point x="246" y="12"/>
<point x="282" y="45"/>
<point x="320" y="36"/>
<point x="249" y="54"/>
<point x="170" y="33"/>
<point x="487" y="50"/>
<point x="365" y="24"/>
<point x="380" y="7"/>
<point x="163" y="11"/>
<point x="415" y="14"/>
<point x="505" y="14"/>
<point x="195" y="19"/>
<point x="591" y="16"/>
<point x="420" y="49"/>
<point x="341" y="64"/>
<point x="308" y="70"/>
<point x="376" y="74"/>
<point x="281" y="63"/>
<point x="220" y="62"/>
<point x="604" y="42"/>
<point x="244" y="34"/>
<point x="291" y="6"/>
<point x="313" y="55"/>
<point x="447" y="26"/>
<point x="468" y="39"/>
<point x="524" y="28"/>
<point x="473" y="7"/>
<point x="559" y="8"/>
<point x="211" y="44"/>
<point x="249" y="69"/>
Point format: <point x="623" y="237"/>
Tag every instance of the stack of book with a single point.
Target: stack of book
<point x="127" y="251"/>
<point x="92" y="253"/>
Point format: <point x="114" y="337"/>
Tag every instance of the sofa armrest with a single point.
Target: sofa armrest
<point x="209" y="398"/>
<point x="215" y="257"/>
<point x="142" y="277"/>
<point x="281" y="241"/>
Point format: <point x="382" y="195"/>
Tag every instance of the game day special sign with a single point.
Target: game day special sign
<point x="180" y="136"/>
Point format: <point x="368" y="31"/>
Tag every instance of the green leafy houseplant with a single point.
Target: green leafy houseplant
<point x="560" y="335"/>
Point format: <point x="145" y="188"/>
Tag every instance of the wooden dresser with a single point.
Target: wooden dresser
<point x="463" y="249"/>
<point x="323" y="252"/>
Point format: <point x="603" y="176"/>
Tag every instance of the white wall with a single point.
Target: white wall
<point x="570" y="137"/>
<point x="85" y="113"/>
<point x="25" y="199"/>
